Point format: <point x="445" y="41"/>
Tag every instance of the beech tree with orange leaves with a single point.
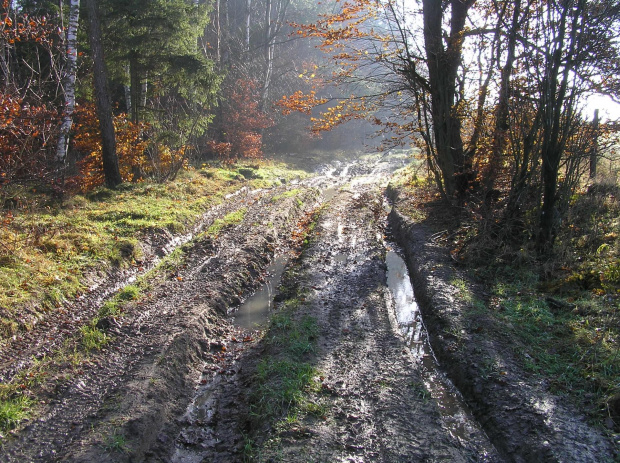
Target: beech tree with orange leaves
<point x="241" y="125"/>
<point x="492" y="91"/>
<point x="29" y="51"/>
<point x="369" y="43"/>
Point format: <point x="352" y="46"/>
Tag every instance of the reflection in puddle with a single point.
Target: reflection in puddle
<point x="255" y="311"/>
<point x="405" y="306"/>
<point x="456" y="418"/>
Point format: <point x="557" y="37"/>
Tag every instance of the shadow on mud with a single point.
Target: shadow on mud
<point x="521" y="417"/>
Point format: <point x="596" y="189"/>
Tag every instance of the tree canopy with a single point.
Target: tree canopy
<point x="491" y="92"/>
<point x="487" y="89"/>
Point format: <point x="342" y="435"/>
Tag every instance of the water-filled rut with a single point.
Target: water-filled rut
<point x="455" y="415"/>
<point x="378" y="388"/>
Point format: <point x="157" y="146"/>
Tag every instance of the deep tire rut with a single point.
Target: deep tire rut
<point x="368" y="382"/>
<point x="127" y="396"/>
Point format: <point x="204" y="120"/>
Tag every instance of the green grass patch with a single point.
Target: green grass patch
<point x="129" y="293"/>
<point x="115" y="442"/>
<point x="114" y="306"/>
<point x="110" y="309"/>
<point x="13" y="411"/>
<point x="574" y="344"/>
<point x="92" y="338"/>
<point x="285" y="376"/>
<point x="47" y="247"/>
<point x="231" y="219"/>
<point x="287" y="194"/>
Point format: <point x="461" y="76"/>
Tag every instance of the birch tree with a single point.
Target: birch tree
<point x="248" y="23"/>
<point x="68" y="82"/>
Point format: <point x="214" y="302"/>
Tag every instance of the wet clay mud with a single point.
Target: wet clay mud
<point x="392" y="382"/>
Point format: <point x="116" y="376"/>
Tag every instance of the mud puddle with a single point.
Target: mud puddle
<point x="255" y="311"/>
<point x="456" y="417"/>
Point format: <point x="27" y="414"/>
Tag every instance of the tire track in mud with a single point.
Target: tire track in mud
<point x="371" y="386"/>
<point x="127" y="396"/>
<point x="129" y="402"/>
<point x="376" y="411"/>
<point x="47" y="335"/>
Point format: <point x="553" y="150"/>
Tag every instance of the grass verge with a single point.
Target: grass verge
<point x="560" y="315"/>
<point x="50" y="250"/>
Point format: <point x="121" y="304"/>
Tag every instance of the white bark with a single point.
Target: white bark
<point x="218" y="33"/>
<point x="248" y="19"/>
<point x="127" y="88"/>
<point x="273" y="23"/>
<point x="69" y="81"/>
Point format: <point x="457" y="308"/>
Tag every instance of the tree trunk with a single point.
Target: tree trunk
<point x="557" y="107"/>
<point x="594" y="148"/>
<point x="68" y="84"/>
<point x="501" y="117"/>
<point x="127" y="89"/>
<point x="269" y="50"/>
<point x="443" y="63"/>
<point x="135" y="87"/>
<point x="104" y="108"/>
<point x="248" y="20"/>
<point x="274" y="18"/>
<point x="218" y="33"/>
<point x="548" y="216"/>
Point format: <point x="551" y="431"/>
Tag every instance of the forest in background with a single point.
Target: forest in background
<point x="492" y="95"/>
<point x="184" y="80"/>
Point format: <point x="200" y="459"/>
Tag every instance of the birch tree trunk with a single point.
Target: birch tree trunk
<point x="218" y="33"/>
<point x="269" y="49"/>
<point x="69" y="83"/>
<point x="248" y="18"/>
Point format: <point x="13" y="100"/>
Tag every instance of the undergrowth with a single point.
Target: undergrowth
<point x="562" y="312"/>
<point x="565" y="310"/>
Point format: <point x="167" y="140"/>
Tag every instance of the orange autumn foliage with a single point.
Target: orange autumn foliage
<point x="241" y="124"/>
<point x="26" y="134"/>
<point x="139" y="157"/>
<point x="300" y="102"/>
<point x="28" y="127"/>
<point x="22" y="28"/>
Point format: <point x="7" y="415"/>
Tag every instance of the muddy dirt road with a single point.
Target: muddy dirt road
<point x="373" y="404"/>
<point x="182" y="382"/>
